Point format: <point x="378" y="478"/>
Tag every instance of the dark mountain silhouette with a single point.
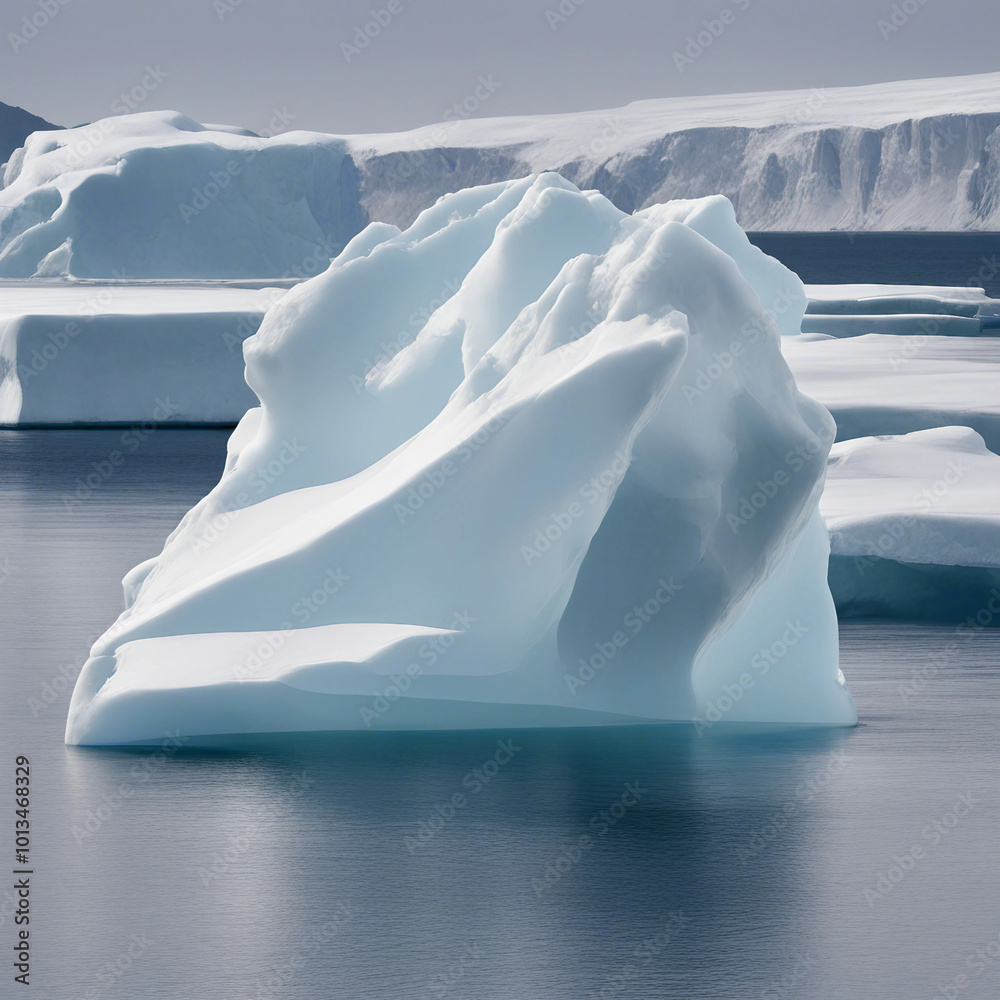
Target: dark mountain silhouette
<point x="16" y="125"/>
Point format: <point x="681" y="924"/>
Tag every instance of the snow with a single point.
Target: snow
<point x="125" y="354"/>
<point x="944" y="480"/>
<point x="914" y="524"/>
<point x="526" y="512"/>
<point x="158" y="195"/>
<point x="916" y="154"/>
<point x="885" y="384"/>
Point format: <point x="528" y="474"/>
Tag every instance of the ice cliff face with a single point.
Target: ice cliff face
<point x="582" y="490"/>
<point x="158" y="195"/>
<point x="921" y="154"/>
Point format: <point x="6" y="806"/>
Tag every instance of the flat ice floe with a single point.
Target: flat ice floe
<point x="909" y="310"/>
<point x="884" y="384"/>
<point x="121" y="353"/>
<point x="914" y="525"/>
<point x="534" y="512"/>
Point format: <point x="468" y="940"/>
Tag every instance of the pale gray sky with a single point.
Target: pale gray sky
<point x="234" y="61"/>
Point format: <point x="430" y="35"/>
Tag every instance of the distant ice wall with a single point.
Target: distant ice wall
<point x="938" y="173"/>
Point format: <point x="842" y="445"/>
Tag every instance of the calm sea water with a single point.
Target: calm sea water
<point x="889" y="258"/>
<point x="728" y="865"/>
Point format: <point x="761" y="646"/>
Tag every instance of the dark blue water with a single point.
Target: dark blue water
<point x="969" y="259"/>
<point x="730" y="866"/>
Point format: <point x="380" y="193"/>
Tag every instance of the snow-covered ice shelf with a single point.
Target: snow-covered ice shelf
<point x="884" y="384"/>
<point x="528" y="514"/>
<point x="914" y="525"/>
<point x="126" y="353"/>
<point x="188" y="200"/>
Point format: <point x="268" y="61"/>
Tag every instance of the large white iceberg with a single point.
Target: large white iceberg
<point x="586" y="492"/>
<point x="158" y="195"/>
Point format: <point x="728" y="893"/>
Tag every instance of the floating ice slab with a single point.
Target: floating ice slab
<point x="536" y="511"/>
<point x="914" y="525"/>
<point x="884" y="384"/>
<point x="125" y="354"/>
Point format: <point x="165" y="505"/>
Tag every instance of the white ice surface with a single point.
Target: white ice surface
<point x="939" y="489"/>
<point x="186" y="200"/>
<point x="859" y="293"/>
<point x="883" y="384"/>
<point x="158" y="195"/>
<point x="455" y="525"/>
<point x="125" y="354"/>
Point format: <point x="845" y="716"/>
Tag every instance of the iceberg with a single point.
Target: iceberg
<point x="158" y="195"/>
<point x="915" y="527"/>
<point x="124" y="353"/>
<point x="585" y="492"/>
